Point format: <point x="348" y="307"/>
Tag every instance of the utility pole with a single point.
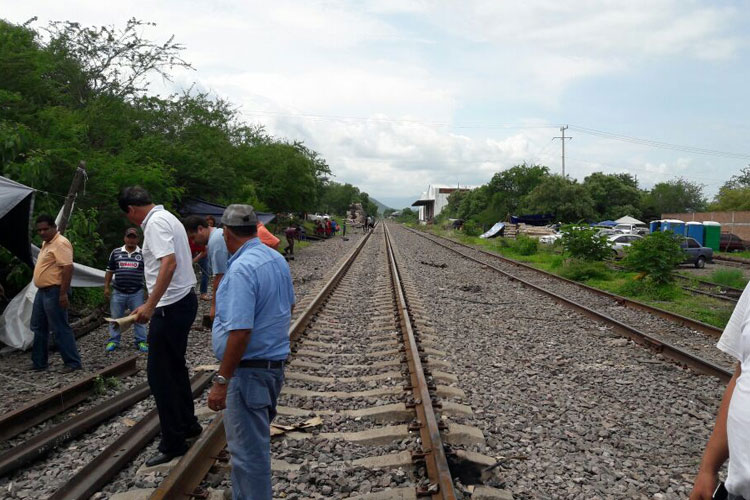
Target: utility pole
<point x="75" y="187"/>
<point x="562" y="139"/>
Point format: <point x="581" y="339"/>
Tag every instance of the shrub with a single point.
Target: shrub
<point x="582" y="270"/>
<point x="525" y="245"/>
<point x="729" y="277"/>
<point x="655" y="256"/>
<point x="582" y="242"/>
<point x="649" y="289"/>
<point x="471" y="228"/>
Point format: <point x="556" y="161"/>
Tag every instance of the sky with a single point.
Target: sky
<point x="396" y="95"/>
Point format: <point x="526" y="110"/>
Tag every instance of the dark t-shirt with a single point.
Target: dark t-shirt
<point x="127" y="269"/>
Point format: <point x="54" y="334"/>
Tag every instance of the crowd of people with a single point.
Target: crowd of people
<point x="252" y="300"/>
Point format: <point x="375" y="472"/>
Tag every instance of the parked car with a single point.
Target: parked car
<point x="695" y="253"/>
<point x="316" y="216"/>
<point x="549" y="239"/>
<point x="619" y="242"/>
<point x="729" y="242"/>
<point x="632" y="228"/>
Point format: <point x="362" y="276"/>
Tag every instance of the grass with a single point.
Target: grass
<point x="745" y="254"/>
<point x="595" y="274"/>
<point x="729" y="277"/>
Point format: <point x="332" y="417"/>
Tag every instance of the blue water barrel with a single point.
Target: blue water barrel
<point x="695" y="230"/>
<point x="655" y="226"/>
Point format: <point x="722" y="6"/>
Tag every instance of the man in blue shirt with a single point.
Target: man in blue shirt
<point x="126" y="267"/>
<point x="250" y="337"/>
<point x="200" y="232"/>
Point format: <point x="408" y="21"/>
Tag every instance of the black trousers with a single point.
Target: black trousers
<point x="167" y="373"/>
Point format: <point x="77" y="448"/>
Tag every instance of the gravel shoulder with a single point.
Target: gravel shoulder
<point x="573" y="410"/>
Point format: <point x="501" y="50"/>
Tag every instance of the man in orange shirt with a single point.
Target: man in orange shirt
<point x="52" y="275"/>
<point x="266" y="237"/>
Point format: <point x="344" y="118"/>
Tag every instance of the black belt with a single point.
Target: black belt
<point x="261" y="363"/>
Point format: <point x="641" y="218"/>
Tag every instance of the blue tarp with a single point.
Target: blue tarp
<point x="196" y="206"/>
<point x="608" y="223"/>
<point x="494" y="231"/>
<point x="532" y="220"/>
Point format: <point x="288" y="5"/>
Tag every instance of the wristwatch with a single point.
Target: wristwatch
<point x="221" y="380"/>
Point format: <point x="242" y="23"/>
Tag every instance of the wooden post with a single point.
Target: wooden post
<point x="75" y="187"/>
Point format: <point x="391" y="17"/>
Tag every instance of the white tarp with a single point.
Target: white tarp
<point x="629" y="220"/>
<point x="15" y="321"/>
<point x="494" y="230"/>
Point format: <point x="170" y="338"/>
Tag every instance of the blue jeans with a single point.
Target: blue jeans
<point x="46" y="316"/>
<point x="118" y="303"/>
<point x="251" y="406"/>
<point x="203" y="264"/>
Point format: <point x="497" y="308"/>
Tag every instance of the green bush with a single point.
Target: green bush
<point x="582" y="242"/>
<point x="582" y="270"/>
<point x="655" y="256"/>
<point x="471" y="228"/>
<point x="525" y="245"/>
<point x="729" y="277"/>
<point x="649" y="289"/>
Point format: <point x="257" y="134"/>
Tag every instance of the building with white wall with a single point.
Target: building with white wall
<point x="434" y="200"/>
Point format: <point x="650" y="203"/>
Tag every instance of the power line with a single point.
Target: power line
<point x="396" y="120"/>
<point x="660" y="144"/>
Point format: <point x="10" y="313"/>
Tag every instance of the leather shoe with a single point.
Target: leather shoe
<point x="68" y="369"/>
<point x="162" y="458"/>
<point x="33" y="368"/>
<point x="194" y="432"/>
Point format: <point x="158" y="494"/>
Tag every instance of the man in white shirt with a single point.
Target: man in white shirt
<point x="731" y="435"/>
<point x="170" y="309"/>
<point x="201" y="233"/>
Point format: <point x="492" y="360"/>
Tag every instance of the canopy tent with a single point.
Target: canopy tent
<point x="15" y="210"/>
<point x="496" y="230"/>
<point x="629" y="220"/>
<point x="196" y="206"/>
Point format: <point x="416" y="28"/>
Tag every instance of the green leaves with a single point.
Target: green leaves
<point x="655" y="256"/>
<point x="582" y="242"/>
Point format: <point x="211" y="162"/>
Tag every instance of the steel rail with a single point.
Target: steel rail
<point x="304" y="319"/>
<point x="46" y="441"/>
<point x="623" y="301"/>
<point x="190" y="471"/>
<point x="432" y="443"/>
<point x="114" y="457"/>
<point x="17" y="421"/>
<point x="673" y="352"/>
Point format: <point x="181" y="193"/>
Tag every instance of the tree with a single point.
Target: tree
<point x="675" y="196"/>
<point x="734" y="194"/>
<point x="114" y="61"/>
<point x="507" y="189"/>
<point x="563" y="198"/>
<point x="584" y="243"/>
<point x="614" y="195"/>
<point x="655" y="256"/>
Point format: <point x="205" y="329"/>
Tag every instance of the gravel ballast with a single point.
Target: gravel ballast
<point x="569" y="408"/>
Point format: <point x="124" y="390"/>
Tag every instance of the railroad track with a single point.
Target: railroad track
<point x="367" y="402"/>
<point x="685" y="341"/>
<point x="702" y="287"/>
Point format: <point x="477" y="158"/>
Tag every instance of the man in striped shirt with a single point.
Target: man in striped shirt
<point x="126" y="267"/>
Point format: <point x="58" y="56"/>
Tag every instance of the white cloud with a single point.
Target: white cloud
<point x="407" y="67"/>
